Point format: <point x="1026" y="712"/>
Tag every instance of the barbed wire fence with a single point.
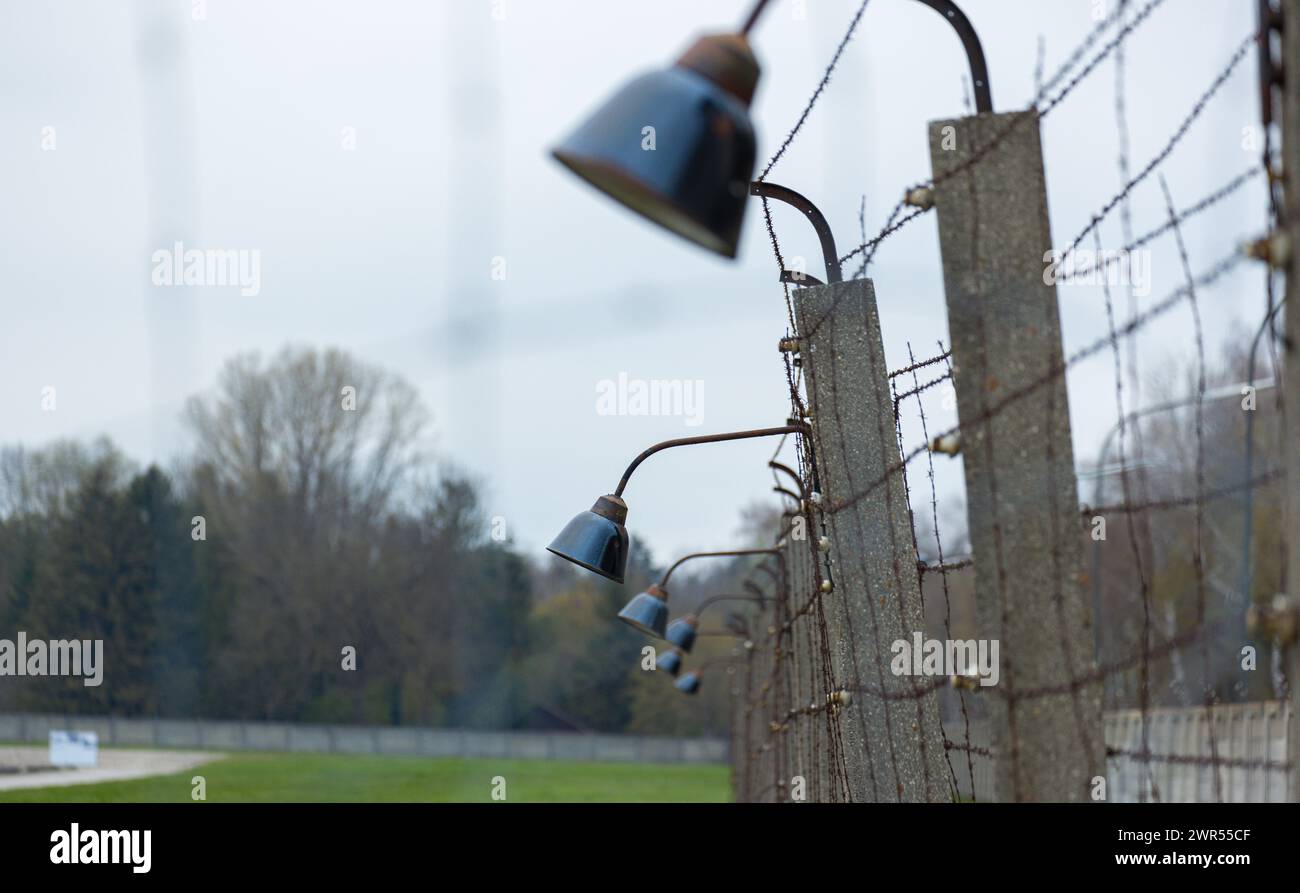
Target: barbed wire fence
<point x="819" y="714"/>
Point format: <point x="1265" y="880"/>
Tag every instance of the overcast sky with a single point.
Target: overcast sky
<point x="231" y="131"/>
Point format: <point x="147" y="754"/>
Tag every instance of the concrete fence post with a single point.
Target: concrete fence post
<point x="775" y="701"/>
<point x="1291" y="383"/>
<point x="795" y="662"/>
<point x="893" y="740"/>
<point x="765" y="741"/>
<point x="1022" y="502"/>
<point x="750" y="735"/>
<point x="806" y="691"/>
<point x="777" y="674"/>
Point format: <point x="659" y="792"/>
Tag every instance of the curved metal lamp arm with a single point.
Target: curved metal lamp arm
<point x="729" y="597"/>
<point x="970" y="41"/>
<point x="707" y="438"/>
<point x="738" y="625"/>
<point x="752" y="18"/>
<point x="784" y="492"/>
<point x="794" y="475"/>
<point x="664" y="582"/>
<point x="816" y="218"/>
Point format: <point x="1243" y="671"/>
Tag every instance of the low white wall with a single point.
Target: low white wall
<point x="301" y="738"/>
<point x="1249" y="743"/>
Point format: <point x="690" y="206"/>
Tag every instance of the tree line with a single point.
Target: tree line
<point x="307" y="561"/>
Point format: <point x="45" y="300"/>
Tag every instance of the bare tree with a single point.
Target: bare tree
<point x="298" y="463"/>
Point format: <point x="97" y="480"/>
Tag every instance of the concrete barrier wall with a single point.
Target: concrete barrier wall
<point x="1249" y="743"/>
<point x="398" y="741"/>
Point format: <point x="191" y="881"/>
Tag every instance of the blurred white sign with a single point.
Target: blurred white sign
<point x="74" y="748"/>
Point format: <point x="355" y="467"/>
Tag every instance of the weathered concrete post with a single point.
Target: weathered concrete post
<point x="791" y="678"/>
<point x="776" y="699"/>
<point x="743" y="758"/>
<point x="769" y="691"/>
<point x="1022" y="504"/>
<point x="763" y="779"/>
<point x="807" y="749"/>
<point x="1291" y="384"/>
<point x="892" y="734"/>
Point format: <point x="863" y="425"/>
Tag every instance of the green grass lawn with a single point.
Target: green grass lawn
<point x="276" y="777"/>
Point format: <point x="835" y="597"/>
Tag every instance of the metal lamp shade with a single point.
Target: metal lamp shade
<point x="669" y="661"/>
<point x="648" y="612"/>
<point x="688" y="684"/>
<point x="596" y="539"/>
<point x="681" y="632"/>
<point x="694" y="178"/>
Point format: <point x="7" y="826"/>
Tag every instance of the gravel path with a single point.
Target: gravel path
<point x="35" y="770"/>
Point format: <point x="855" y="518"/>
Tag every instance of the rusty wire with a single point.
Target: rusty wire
<point x="789" y="723"/>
